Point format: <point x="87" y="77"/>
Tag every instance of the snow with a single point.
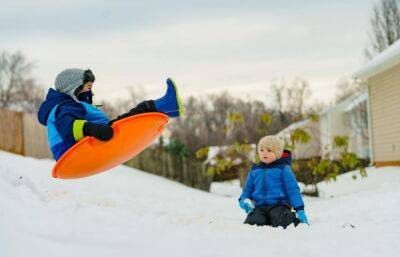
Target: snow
<point x="126" y="212"/>
<point x="385" y="60"/>
<point x="227" y="188"/>
<point x="213" y="151"/>
<point x="357" y="100"/>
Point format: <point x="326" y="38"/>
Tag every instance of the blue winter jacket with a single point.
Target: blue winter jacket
<point x="272" y="184"/>
<point x="59" y="112"/>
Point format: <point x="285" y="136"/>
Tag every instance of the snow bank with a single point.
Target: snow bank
<point x="125" y="212"/>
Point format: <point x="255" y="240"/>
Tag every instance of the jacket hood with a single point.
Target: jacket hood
<point x="53" y="98"/>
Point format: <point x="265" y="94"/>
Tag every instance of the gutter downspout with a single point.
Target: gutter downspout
<point x="369" y="119"/>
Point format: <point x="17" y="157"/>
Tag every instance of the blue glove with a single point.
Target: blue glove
<point x="247" y="205"/>
<point x="301" y="216"/>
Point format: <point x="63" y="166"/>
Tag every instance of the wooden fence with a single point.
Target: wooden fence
<point x="22" y="134"/>
<point x="11" y="132"/>
<point x="188" y="171"/>
<point x="35" y="138"/>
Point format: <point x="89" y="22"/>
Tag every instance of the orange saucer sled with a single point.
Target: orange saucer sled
<point x="91" y="156"/>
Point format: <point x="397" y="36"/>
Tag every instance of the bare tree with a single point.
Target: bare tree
<point x="384" y="26"/>
<point x="278" y="93"/>
<point x="196" y="128"/>
<point x="346" y="87"/>
<point x="297" y="94"/>
<point x="290" y="99"/>
<point x="30" y="98"/>
<point x="207" y="119"/>
<point x="123" y="105"/>
<point x="18" y="90"/>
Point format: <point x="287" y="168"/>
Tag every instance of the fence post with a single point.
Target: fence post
<point x="11" y="132"/>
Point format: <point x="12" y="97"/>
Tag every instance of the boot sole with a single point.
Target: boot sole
<point x="180" y="105"/>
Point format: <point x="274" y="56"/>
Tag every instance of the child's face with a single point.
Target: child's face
<point x="266" y="155"/>
<point x="86" y="87"/>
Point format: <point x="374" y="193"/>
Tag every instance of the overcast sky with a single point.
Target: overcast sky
<point x="206" y="46"/>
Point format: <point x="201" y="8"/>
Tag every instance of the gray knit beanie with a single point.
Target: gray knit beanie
<point x="69" y="80"/>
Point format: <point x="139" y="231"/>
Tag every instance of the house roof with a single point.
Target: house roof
<point x="356" y="101"/>
<point x="348" y="103"/>
<point x="292" y="127"/>
<point x="385" y="60"/>
<point x="345" y="105"/>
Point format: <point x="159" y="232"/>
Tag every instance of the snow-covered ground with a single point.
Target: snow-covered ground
<point x="125" y="212"/>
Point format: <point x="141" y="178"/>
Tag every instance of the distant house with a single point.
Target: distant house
<point x="304" y="151"/>
<point x="382" y="75"/>
<point x="346" y="118"/>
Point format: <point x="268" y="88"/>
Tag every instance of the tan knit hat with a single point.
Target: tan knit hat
<point x="272" y="143"/>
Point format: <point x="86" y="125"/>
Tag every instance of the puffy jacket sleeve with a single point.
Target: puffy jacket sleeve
<point x="292" y="188"/>
<point x="248" y="187"/>
<point x="65" y="121"/>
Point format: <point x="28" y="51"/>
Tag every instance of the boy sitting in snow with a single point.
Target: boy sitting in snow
<point x="69" y="114"/>
<point x="271" y="189"/>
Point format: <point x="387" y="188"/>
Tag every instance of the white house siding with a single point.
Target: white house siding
<point x="335" y="121"/>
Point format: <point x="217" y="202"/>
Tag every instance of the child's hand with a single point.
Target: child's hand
<point x="301" y="216"/>
<point x="247" y="205"/>
<point x="99" y="131"/>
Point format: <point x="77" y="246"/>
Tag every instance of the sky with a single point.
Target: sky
<point x="206" y="46"/>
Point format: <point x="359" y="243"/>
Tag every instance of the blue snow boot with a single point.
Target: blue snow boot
<point x="170" y="103"/>
<point x="173" y="114"/>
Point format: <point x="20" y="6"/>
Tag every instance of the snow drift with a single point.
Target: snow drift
<point x="126" y="212"/>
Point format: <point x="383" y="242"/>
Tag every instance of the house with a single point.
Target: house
<point x="382" y="75"/>
<point x="310" y="149"/>
<point x="346" y="118"/>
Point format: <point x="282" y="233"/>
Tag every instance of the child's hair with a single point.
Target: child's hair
<point x="272" y="143"/>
